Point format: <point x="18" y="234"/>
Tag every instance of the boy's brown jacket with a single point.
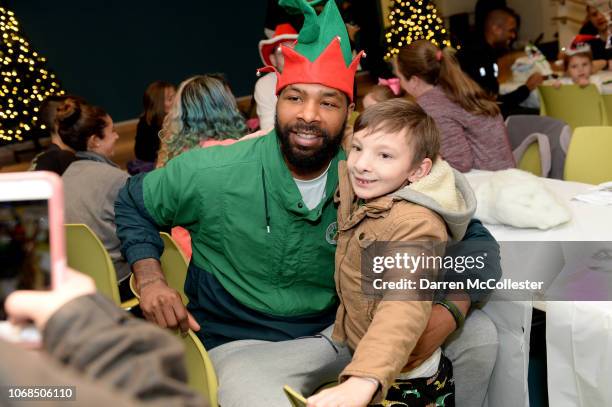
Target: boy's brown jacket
<point x="384" y="333"/>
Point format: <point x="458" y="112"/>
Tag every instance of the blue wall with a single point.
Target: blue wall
<point x="108" y="51"/>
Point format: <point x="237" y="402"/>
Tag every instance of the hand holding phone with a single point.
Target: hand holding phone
<point x="32" y="254"/>
<point x="39" y="306"/>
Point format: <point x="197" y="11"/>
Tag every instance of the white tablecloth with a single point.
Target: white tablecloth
<point x="579" y="334"/>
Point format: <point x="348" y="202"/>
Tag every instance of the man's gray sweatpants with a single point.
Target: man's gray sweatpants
<point x="252" y="373"/>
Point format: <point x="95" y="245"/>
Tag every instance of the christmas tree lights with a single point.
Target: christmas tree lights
<point x="413" y="20"/>
<point x="25" y="81"/>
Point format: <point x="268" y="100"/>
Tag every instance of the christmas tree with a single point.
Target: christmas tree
<point x="24" y="82"/>
<point x="413" y="20"/>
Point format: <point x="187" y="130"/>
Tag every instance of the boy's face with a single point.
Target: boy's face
<point x="579" y="68"/>
<point x="379" y="163"/>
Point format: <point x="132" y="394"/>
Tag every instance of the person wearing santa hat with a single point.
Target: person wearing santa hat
<point x="265" y="87"/>
<point x="262" y="218"/>
<point x="579" y="65"/>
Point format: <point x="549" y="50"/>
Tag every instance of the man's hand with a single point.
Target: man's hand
<point x="159" y="303"/>
<point x="355" y="392"/>
<point x="534" y="80"/>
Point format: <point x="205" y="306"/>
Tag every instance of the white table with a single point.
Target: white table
<point x="579" y="334"/>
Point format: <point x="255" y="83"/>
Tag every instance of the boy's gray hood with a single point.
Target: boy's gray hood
<point x="446" y="192"/>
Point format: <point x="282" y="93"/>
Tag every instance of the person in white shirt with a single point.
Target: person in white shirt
<point x="265" y="87"/>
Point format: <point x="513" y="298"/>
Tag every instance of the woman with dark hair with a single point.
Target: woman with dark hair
<point x="92" y="182"/>
<point x="156" y="102"/>
<point x="473" y="134"/>
<point x="596" y="24"/>
<point x="58" y="156"/>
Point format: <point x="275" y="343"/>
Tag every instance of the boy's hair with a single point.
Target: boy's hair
<point x="403" y="115"/>
<point x="584" y="54"/>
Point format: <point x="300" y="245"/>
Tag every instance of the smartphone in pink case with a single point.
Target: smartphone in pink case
<point x="32" y="245"/>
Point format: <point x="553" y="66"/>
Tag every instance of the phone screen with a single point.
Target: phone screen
<point x="25" y="258"/>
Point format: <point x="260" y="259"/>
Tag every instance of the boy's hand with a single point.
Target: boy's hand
<point x="355" y="392"/>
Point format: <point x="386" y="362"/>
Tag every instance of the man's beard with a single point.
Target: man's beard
<point x="308" y="159"/>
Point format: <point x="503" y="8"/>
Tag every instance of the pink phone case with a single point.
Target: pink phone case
<point x="56" y="218"/>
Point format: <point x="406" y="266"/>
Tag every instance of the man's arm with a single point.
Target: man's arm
<point x="138" y="229"/>
<point x="442" y="323"/>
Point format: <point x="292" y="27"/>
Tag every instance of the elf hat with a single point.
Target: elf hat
<point x="322" y="54"/>
<point x="282" y="33"/>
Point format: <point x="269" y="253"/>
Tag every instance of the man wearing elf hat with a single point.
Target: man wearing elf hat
<point x="265" y="87"/>
<point x="262" y="220"/>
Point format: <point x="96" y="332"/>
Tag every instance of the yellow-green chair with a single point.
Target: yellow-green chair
<point x="575" y="105"/>
<point x="174" y="266"/>
<point x="530" y="161"/>
<point x="588" y="156"/>
<point x="200" y="370"/>
<point x="353" y="118"/>
<point x="86" y="253"/>
<point x="607" y="102"/>
<point x="533" y="154"/>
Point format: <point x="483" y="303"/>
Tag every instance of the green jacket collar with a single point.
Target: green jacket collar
<point x="279" y="182"/>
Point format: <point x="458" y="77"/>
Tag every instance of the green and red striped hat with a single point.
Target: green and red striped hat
<point x="322" y="53"/>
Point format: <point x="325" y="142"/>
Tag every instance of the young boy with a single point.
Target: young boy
<point x="578" y="64"/>
<point x="393" y="188"/>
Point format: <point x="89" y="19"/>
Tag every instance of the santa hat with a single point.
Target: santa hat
<point x="283" y="33"/>
<point x="580" y="44"/>
<point x="322" y="54"/>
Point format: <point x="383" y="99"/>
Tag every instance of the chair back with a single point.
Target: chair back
<point x="558" y="133"/>
<point x="86" y="253"/>
<point x="574" y="105"/>
<point x="588" y="157"/>
<point x="174" y="265"/>
<point x="607" y="102"/>
<point x="200" y="370"/>
<point x="531" y="160"/>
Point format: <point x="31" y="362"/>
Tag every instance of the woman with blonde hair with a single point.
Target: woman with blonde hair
<point x="473" y="134"/>
<point x="204" y="113"/>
